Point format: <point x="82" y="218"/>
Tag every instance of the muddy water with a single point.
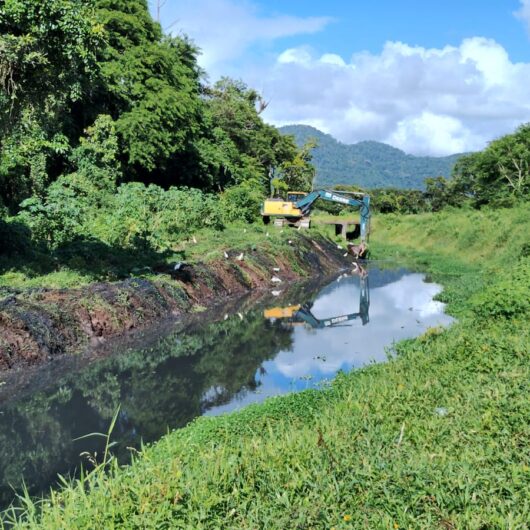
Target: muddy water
<point x="217" y="362"/>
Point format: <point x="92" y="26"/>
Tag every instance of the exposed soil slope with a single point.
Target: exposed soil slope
<point x="39" y="324"/>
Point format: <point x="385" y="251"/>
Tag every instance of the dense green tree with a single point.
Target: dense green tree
<point x="393" y="200"/>
<point x="149" y="83"/>
<point x="240" y="146"/>
<point x="47" y="65"/>
<point x="500" y="174"/>
<point x="63" y="212"/>
<point x="438" y="192"/>
<point x="297" y="174"/>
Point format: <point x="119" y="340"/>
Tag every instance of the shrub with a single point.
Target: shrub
<point x="15" y="237"/>
<point x="241" y="203"/>
<point x="136" y="216"/>
<point x="151" y="217"/>
<point x="507" y="298"/>
<point x="57" y="219"/>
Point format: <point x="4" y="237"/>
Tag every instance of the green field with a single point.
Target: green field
<point x="438" y="437"/>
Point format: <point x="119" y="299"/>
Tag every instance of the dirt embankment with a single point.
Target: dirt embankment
<point x="39" y="324"/>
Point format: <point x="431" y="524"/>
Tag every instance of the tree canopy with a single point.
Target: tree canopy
<point x="47" y="66"/>
<point x="109" y="130"/>
<point x="498" y="174"/>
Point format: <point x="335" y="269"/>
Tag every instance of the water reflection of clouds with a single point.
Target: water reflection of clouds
<point x="400" y="309"/>
<point x="412" y="291"/>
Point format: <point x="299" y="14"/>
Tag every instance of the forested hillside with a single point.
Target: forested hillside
<point x="368" y="164"/>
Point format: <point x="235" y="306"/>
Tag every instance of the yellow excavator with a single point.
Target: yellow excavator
<point x="295" y="210"/>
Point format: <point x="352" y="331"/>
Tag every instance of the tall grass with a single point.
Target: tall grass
<point x="438" y="437"/>
<point x="488" y="237"/>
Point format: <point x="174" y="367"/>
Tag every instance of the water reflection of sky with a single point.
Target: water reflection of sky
<point x="400" y="309"/>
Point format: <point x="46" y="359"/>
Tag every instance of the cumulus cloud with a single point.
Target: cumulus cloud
<point x="226" y="29"/>
<point x="425" y="101"/>
<point x="524" y="13"/>
<point x="432" y="134"/>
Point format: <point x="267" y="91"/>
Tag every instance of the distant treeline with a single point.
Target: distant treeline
<point x="368" y="164"/>
<point x="498" y="176"/>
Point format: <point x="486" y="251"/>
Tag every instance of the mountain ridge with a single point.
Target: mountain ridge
<point x="368" y="164"/>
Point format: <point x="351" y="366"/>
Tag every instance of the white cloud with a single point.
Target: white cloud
<point x="436" y="134"/>
<point x="332" y="58"/>
<point x="296" y="56"/>
<point x="524" y="13"/>
<point x="425" y="101"/>
<point x="226" y="29"/>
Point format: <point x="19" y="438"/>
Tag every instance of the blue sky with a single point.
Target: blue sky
<point x="430" y="77"/>
<point x="368" y="25"/>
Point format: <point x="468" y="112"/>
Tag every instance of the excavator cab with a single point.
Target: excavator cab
<point x="282" y="312"/>
<point x="284" y="211"/>
<point x="295" y="196"/>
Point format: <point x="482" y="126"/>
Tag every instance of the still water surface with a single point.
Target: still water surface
<point x="219" y="362"/>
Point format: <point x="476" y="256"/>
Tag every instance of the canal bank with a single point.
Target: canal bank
<point x="436" y="437"/>
<point x="221" y="360"/>
<point x="41" y="324"/>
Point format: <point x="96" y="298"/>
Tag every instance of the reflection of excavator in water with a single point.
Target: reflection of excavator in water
<point x="301" y="314"/>
<point x="296" y="210"/>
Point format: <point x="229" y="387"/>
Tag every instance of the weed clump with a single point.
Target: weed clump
<point x="509" y="297"/>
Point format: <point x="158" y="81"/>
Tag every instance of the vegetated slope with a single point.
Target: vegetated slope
<point x="435" y="438"/>
<point x="368" y="164"/>
<point x="491" y="237"/>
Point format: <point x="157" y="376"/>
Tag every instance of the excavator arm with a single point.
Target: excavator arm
<point x="306" y="203"/>
<point x="296" y="209"/>
<point x="304" y="314"/>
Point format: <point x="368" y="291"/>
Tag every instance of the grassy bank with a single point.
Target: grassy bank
<point x="436" y="438"/>
<point x="490" y="238"/>
<point x="85" y="262"/>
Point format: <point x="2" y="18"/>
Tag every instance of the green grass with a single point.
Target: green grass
<point x="490" y="238"/>
<point x="438" y="437"/>
<point x="84" y="263"/>
<point x="63" y="278"/>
